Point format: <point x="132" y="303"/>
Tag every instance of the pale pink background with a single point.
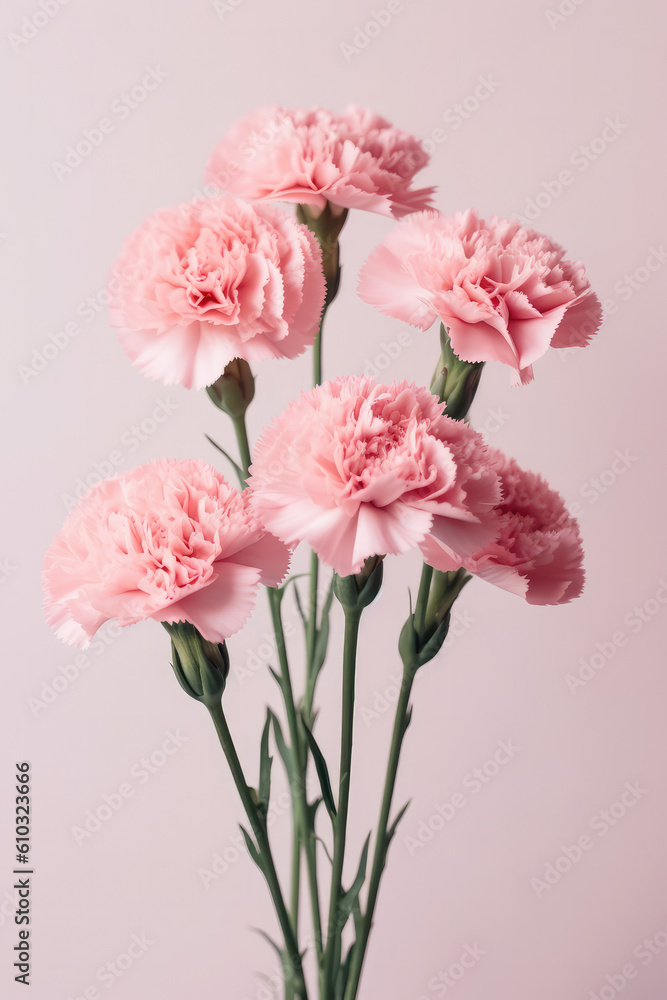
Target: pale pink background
<point x="503" y="677"/>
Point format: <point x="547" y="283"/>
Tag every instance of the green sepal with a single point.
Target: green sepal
<point x="201" y="667"/>
<point x="359" y="590"/>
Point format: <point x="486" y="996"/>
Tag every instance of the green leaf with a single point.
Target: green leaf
<point x="392" y="829"/>
<point x="302" y="613"/>
<point x="322" y="641"/>
<point x="269" y="940"/>
<point x="253" y="850"/>
<point x="351" y="898"/>
<point x="276" y="676"/>
<point x="342" y="976"/>
<point x="283" y="749"/>
<point x="326" y="849"/>
<point x="237" y="468"/>
<point x="322" y="771"/>
<point x="265" y="761"/>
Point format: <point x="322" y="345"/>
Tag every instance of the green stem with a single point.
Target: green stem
<point x="311" y="634"/>
<point x="268" y="866"/>
<point x="241" y="432"/>
<point x="296" y="876"/>
<point x="381" y="845"/>
<point x="299" y="797"/>
<point x="352" y="619"/>
<point x="382" y="837"/>
<point x="422" y="599"/>
<point x="317" y="354"/>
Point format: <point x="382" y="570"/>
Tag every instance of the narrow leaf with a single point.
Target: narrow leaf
<point x="265" y="762"/>
<point x="302" y="613"/>
<point x="253" y="850"/>
<point x="283" y="749"/>
<point x="322" y="641"/>
<point x="326" y="850"/>
<point x="237" y="468"/>
<point x="351" y="897"/>
<point x="267" y="937"/>
<point x="392" y="829"/>
<point x="322" y="772"/>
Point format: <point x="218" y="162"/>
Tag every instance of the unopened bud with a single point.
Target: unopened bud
<point x="360" y="589"/>
<point x="201" y="667"/>
<point x="234" y="391"/>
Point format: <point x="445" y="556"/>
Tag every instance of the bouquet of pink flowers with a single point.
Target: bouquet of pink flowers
<point x="355" y="469"/>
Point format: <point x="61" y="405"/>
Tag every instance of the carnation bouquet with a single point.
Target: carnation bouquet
<point x="357" y="471"/>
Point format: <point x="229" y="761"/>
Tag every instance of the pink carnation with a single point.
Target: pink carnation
<point x="355" y="160"/>
<point x="170" y="541"/>
<point x="357" y="469"/>
<point x="202" y="283"/>
<point x="504" y="293"/>
<point x="538" y="554"/>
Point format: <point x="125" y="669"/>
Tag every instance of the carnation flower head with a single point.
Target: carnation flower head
<point x="504" y="293"/>
<point x="357" y="469"/>
<point x="171" y="541"/>
<point x="199" y="284"/>
<point x="538" y="554"/>
<point x="355" y="159"/>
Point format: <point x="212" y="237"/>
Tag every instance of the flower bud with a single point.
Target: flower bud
<point x="233" y="392"/>
<point x="361" y="589"/>
<point x="201" y="667"/>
